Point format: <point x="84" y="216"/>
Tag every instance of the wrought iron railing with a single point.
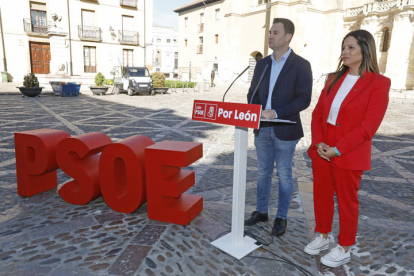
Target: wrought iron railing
<point x="128" y="3"/>
<point x="201" y="27"/>
<point x="378" y="7"/>
<point x="128" y="37"/>
<point x="89" y="33"/>
<point x="35" y="29"/>
<point x="199" y="49"/>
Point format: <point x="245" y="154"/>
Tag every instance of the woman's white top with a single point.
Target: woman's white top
<point x="343" y="91"/>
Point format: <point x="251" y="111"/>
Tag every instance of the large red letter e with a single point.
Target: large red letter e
<point x="166" y="182"/>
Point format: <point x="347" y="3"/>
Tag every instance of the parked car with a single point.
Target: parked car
<point x="135" y="80"/>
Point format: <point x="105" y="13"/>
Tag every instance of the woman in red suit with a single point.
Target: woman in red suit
<point x="348" y="113"/>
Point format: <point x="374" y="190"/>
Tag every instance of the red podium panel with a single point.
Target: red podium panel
<point x="35" y="160"/>
<point x="166" y="181"/>
<point x="234" y="114"/>
<point x="122" y="173"/>
<point x="78" y="157"/>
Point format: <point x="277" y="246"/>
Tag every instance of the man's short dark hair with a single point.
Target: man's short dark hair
<point x="287" y="25"/>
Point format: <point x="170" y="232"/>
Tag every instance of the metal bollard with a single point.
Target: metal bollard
<point x="197" y="87"/>
<point x="206" y="84"/>
<point x="174" y="89"/>
<point x="185" y="87"/>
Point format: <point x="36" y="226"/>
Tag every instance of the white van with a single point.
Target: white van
<point x="135" y="80"/>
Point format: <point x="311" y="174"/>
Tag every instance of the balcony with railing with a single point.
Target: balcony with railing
<point x="128" y="37"/>
<point x="199" y="49"/>
<point x="128" y="3"/>
<point x="89" y="33"/>
<point x="36" y="30"/>
<point x="378" y="7"/>
<point x="201" y="27"/>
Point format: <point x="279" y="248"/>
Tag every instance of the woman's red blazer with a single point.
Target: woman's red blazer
<point x="359" y="117"/>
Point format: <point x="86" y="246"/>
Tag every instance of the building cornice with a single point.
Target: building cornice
<point x="300" y="2"/>
<point x="194" y="5"/>
<point x="233" y="14"/>
<point x="325" y="12"/>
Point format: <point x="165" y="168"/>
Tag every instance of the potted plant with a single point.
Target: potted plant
<point x="30" y="86"/>
<point x="158" y="80"/>
<point x="99" y="88"/>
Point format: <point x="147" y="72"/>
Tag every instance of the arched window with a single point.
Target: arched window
<point x="385" y="40"/>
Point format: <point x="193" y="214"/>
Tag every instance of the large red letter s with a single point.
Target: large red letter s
<point x="35" y="160"/>
<point x="166" y="182"/>
<point x="78" y="157"/>
<point x="122" y="173"/>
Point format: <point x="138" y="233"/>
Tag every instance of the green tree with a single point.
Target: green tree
<point x="99" y="79"/>
<point x="158" y="79"/>
<point x="30" y="80"/>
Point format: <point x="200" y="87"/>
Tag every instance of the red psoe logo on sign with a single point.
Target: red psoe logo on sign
<point x="199" y="110"/>
<point x="211" y="111"/>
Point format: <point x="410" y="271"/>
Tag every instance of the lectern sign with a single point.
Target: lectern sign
<point x="234" y="114"/>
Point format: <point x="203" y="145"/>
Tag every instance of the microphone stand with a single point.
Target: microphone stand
<point x="260" y="81"/>
<point x="234" y="81"/>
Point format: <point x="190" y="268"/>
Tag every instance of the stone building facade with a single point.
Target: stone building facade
<point x="73" y="39"/>
<point x="231" y="34"/>
<point x="164" y="50"/>
<point x="392" y="24"/>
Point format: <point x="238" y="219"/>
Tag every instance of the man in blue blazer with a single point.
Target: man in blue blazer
<point x="285" y="90"/>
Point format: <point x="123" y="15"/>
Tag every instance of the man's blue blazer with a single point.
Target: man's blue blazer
<point x="292" y="94"/>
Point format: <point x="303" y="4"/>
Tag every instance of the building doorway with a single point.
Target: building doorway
<point x="40" y="57"/>
<point x="253" y="59"/>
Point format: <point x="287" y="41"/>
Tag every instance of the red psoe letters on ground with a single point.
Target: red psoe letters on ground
<point x="166" y="181"/>
<point x="122" y="173"/>
<point x="35" y="160"/>
<point x="78" y="157"/>
<point x="127" y="173"/>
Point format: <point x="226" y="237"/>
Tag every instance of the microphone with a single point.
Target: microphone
<point x="234" y="81"/>
<point x="260" y="81"/>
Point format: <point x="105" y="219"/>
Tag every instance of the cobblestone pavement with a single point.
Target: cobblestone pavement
<point x="44" y="235"/>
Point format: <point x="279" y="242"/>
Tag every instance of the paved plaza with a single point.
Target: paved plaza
<point x="44" y="235"/>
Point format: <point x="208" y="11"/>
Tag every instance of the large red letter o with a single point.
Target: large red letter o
<point x="122" y="173"/>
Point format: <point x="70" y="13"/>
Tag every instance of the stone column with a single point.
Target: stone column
<point x="58" y="32"/>
<point x="233" y="43"/>
<point x="399" y="52"/>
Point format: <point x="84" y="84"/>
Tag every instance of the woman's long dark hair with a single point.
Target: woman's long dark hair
<point x="369" y="57"/>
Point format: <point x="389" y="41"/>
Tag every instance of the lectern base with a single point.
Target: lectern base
<point x="238" y="252"/>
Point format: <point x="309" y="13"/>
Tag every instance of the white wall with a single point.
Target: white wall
<point x="167" y="50"/>
<point x="107" y="13"/>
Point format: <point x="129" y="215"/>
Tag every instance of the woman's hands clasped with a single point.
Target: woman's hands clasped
<point x="324" y="151"/>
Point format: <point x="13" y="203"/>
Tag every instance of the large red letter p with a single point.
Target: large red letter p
<point x="166" y="182"/>
<point x="35" y="160"/>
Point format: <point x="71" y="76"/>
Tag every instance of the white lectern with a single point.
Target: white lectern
<point x="243" y="116"/>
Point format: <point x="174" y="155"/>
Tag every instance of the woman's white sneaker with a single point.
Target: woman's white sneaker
<point x="317" y="245"/>
<point x="336" y="257"/>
